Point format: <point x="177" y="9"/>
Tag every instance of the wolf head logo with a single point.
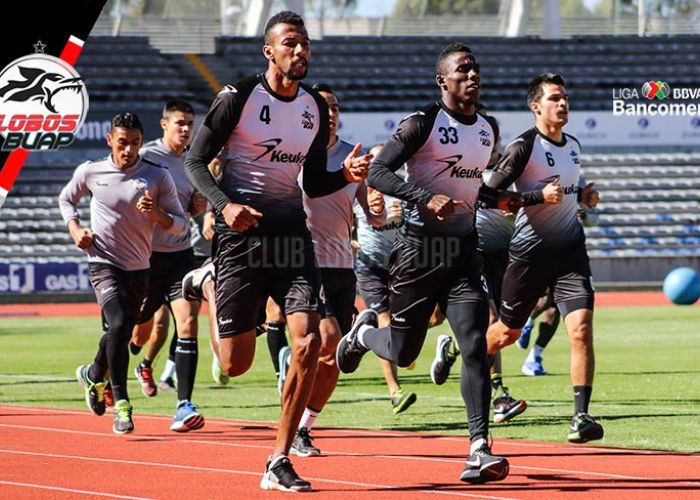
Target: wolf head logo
<point x="39" y="85"/>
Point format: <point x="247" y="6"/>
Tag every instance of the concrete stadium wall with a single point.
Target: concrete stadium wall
<point x="636" y="272"/>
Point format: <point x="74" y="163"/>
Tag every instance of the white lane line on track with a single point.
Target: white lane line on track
<point x="242" y="472"/>
<point x="354" y="454"/>
<point x="70" y="490"/>
<point x="378" y="432"/>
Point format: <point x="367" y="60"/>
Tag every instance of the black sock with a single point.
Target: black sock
<point x="99" y="365"/>
<point x="496" y="381"/>
<point x="146" y="363"/>
<point x="173" y="347"/>
<point x="276" y="340"/>
<point x="582" y="396"/>
<point x="186" y="356"/>
<point x="545" y="333"/>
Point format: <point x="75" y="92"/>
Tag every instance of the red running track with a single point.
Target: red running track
<point x="60" y="454"/>
<point x="603" y="299"/>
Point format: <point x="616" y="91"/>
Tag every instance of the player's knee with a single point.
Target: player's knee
<point x="187" y="328"/>
<point x="236" y="369"/>
<point x="307" y="348"/>
<point x="582" y="334"/>
<point x="406" y="356"/>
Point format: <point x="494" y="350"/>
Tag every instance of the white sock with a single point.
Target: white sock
<point x="308" y="418"/>
<point x="361" y="335"/>
<point x="476" y="445"/>
<point x="168" y="371"/>
<point x="536" y="351"/>
<point x="275" y="460"/>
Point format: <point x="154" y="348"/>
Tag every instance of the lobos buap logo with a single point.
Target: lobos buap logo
<point x="43" y="102"/>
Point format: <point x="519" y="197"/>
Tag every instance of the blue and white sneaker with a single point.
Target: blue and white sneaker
<point x="533" y="367"/>
<point x="283" y="358"/>
<point x="187" y="418"/>
<point x="524" y="339"/>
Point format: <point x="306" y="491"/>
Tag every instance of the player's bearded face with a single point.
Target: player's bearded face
<point x="290" y="50"/>
<point x="125" y="145"/>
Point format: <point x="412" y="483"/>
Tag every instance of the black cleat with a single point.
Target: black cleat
<point x="583" y="429"/>
<point x="350" y="351"/>
<point x="280" y="475"/>
<point x="507" y="407"/>
<point x="94" y="391"/>
<point x="303" y="445"/>
<point x="444" y="359"/>
<point x="482" y="467"/>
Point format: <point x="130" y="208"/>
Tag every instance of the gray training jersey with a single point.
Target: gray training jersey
<point x="376" y="242"/>
<point x="329" y="217"/>
<point x="159" y="153"/>
<point x="272" y="138"/>
<point x="445" y="153"/>
<point x="122" y="235"/>
<point x="531" y="162"/>
<point x="494" y="227"/>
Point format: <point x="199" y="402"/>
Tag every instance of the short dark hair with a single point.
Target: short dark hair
<point x="450" y="49"/>
<point x="535" y="92"/>
<point x="284" y="17"/>
<point x="322" y="87"/>
<point x="128" y="121"/>
<point x="177" y="105"/>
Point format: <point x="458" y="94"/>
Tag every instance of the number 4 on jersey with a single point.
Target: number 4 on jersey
<point x="265" y="114"/>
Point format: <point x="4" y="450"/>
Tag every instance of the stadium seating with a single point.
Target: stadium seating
<point x="650" y="206"/>
<point x="389" y="73"/>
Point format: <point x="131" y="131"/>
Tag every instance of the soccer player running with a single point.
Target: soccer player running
<point x="446" y="147"/>
<point x="266" y="128"/>
<point x="130" y="196"/>
<point x="329" y="220"/>
<point x="549" y="246"/>
<point x="372" y="271"/>
<point x="171" y="259"/>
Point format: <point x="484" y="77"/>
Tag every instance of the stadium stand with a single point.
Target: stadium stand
<point x="389" y="73"/>
<point x="650" y="203"/>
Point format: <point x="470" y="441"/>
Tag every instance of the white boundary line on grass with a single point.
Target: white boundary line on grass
<point x="355" y="454"/>
<point x="70" y="490"/>
<point x="241" y="472"/>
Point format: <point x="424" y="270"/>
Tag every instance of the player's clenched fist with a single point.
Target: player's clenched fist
<point x="240" y="217"/>
<point x="356" y="168"/>
<point x="82" y="237"/>
<point x="443" y="206"/>
<point x="590" y="196"/>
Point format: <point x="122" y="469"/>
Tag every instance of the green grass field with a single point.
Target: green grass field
<point x="646" y="392"/>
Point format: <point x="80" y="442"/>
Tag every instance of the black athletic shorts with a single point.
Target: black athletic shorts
<point x="252" y="267"/>
<point x="338" y="295"/>
<point x="494" y="269"/>
<point x="569" y="278"/>
<point x="110" y="282"/>
<point x="167" y="271"/>
<point x="428" y="270"/>
<point x="373" y="284"/>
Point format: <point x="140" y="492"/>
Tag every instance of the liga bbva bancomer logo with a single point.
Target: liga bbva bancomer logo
<point x="656" y="90"/>
<point x="661" y="100"/>
<point x="43" y="102"/>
